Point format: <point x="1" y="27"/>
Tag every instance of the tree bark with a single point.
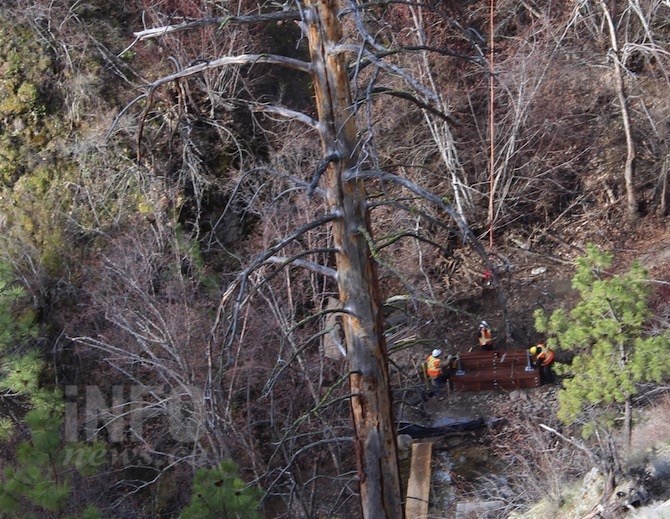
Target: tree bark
<point x="371" y="406"/>
<point x="628" y="423"/>
<point x="629" y="167"/>
<point x="628" y="405"/>
<point x="665" y="172"/>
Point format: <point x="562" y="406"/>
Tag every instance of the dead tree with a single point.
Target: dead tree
<point x="363" y="325"/>
<point x="629" y="167"/>
<point x="342" y="179"/>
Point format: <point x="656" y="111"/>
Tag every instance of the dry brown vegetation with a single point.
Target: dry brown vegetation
<point x="164" y="286"/>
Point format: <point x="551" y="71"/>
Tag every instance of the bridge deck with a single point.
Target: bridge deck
<point x="498" y="369"/>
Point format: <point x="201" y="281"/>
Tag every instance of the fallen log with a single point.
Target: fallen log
<point x="444" y="426"/>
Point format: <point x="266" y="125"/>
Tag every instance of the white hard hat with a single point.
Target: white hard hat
<point x="437" y="353"/>
<point x="483" y="324"/>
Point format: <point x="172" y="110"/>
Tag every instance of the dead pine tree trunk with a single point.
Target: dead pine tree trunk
<point x="371" y="407"/>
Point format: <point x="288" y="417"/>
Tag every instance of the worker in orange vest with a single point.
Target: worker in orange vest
<point x="543" y="358"/>
<point x="485" y="336"/>
<point x="435" y="370"/>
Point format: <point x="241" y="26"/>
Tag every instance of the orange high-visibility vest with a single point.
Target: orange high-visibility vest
<point x="485" y="338"/>
<point x="546" y="357"/>
<point x="433" y="369"/>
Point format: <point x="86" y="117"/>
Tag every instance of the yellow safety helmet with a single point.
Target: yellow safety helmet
<point x="533" y="350"/>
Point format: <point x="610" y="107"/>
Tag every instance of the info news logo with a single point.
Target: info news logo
<point x="121" y="413"/>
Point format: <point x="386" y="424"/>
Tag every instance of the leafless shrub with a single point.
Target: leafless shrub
<point x="535" y="464"/>
<point x="652" y="428"/>
<point x="144" y="327"/>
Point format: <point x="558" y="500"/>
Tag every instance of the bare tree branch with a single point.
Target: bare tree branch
<point x="240" y="284"/>
<point x="466" y="233"/>
<point x="629" y="166"/>
<point x="575" y="443"/>
<point x="284" y="112"/>
<point x="242" y="59"/>
<point x="309" y="265"/>
<point x="409" y="97"/>
<point x="386" y="241"/>
<point x="221" y="21"/>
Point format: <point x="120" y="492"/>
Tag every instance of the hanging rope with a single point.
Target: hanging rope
<point x="491" y="125"/>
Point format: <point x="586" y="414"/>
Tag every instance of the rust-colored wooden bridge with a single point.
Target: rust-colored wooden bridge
<point x="498" y="369"/>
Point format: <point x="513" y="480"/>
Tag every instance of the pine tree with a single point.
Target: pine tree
<point x="218" y="493"/>
<point x="614" y="350"/>
<point x="41" y="478"/>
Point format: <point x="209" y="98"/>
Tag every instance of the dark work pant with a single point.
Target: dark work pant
<point x="440" y="380"/>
